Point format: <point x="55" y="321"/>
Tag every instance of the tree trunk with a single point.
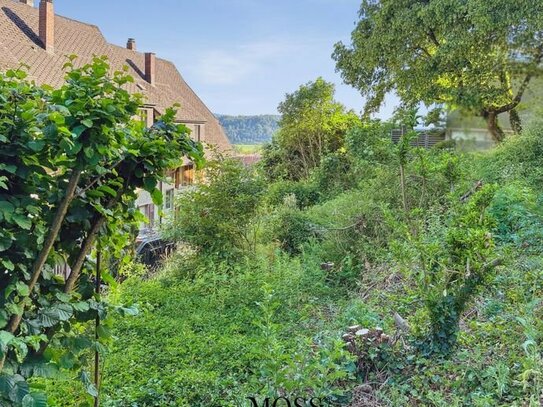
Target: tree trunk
<point x="493" y="126"/>
<point x="515" y="120"/>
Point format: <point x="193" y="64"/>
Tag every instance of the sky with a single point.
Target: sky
<point x="240" y="56"/>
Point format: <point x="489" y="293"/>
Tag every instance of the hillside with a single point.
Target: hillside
<point x="249" y="129"/>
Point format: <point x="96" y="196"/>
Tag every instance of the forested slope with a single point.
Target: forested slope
<point x="249" y="129"/>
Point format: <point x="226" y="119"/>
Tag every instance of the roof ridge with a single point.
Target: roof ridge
<point x="37" y="10"/>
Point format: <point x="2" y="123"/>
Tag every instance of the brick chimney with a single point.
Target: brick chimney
<point x="27" y="2"/>
<point x="150" y="67"/>
<point x="47" y="25"/>
<point x="131" y="44"/>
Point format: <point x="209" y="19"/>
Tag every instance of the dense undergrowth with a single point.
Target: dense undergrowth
<point x="449" y="267"/>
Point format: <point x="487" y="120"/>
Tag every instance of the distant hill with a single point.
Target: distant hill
<point x="249" y="129"/>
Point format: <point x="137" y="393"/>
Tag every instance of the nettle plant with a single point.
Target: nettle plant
<point x="71" y="160"/>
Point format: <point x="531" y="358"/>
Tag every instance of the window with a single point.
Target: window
<point x="149" y="212"/>
<point x="187" y="175"/>
<point x="146" y="116"/>
<point x="169" y="200"/>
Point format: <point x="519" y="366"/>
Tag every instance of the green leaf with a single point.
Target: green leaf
<point x="156" y="195"/>
<point x="21" y="350"/>
<point x="108" y="190"/>
<point x="5" y="340"/>
<point x="78" y="130"/>
<point x="3" y="319"/>
<point x="20" y="389"/>
<point x="57" y="313"/>
<point x="87" y="123"/>
<point x="36" y="145"/>
<point x="24" y="222"/>
<point x="68" y="361"/>
<point x="65" y="145"/>
<point x="5" y="243"/>
<point x="149" y="184"/>
<point x="81" y="306"/>
<point x="8" y="264"/>
<point x="130" y="311"/>
<point x="12" y="169"/>
<point x="39" y="367"/>
<point x="103" y="332"/>
<point x="35" y="400"/>
<point x="22" y="289"/>
<point x="89" y="386"/>
<point x="6" y="208"/>
<point x="63" y="297"/>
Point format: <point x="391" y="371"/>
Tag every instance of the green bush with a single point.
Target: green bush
<point x="218" y="216"/>
<point x="371" y="142"/>
<point x="338" y="172"/>
<point x="455" y="265"/>
<point x="306" y="193"/>
<point x="519" y="219"/>
<point x="519" y="158"/>
<point x="291" y="228"/>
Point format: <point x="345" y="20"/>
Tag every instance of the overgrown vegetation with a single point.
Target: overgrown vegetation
<point x="345" y="268"/>
<point x="448" y="290"/>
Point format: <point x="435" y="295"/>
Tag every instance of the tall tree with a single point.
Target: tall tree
<point x="312" y="125"/>
<point x="478" y="56"/>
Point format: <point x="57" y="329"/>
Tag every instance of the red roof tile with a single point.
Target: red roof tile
<point x="19" y="43"/>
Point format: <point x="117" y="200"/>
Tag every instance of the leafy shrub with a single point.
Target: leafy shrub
<point x="519" y="158"/>
<point x="456" y="266"/>
<point x="291" y="228"/>
<point x="352" y="224"/>
<point x="518" y="216"/>
<point x="371" y="142"/>
<point x="218" y="217"/>
<point x="337" y="173"/>
<point x="306" y="193"/>
<point x="71" y="162"/>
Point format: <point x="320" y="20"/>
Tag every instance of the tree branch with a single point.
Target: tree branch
<point x="15" y="320"/>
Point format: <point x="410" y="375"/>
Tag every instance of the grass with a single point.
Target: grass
<point x="225" y="335"/>
<point x="247" y="149"/>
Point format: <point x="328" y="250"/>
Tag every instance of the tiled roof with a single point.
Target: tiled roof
<point x="19" y="43"/>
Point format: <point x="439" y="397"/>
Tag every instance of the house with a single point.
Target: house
<point x="40" y="39"/>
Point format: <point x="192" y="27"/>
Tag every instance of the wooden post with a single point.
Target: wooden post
<point x="97" y="325"/>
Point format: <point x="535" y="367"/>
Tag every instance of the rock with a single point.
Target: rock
<point x="327" y="266"/>
<point x="401" y="323"/>
<point x="363" y="332"/>
<point x="365" y="388"/>
<point x="354" y="328"/>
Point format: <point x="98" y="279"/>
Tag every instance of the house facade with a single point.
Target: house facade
<point x="36" y="37"/>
